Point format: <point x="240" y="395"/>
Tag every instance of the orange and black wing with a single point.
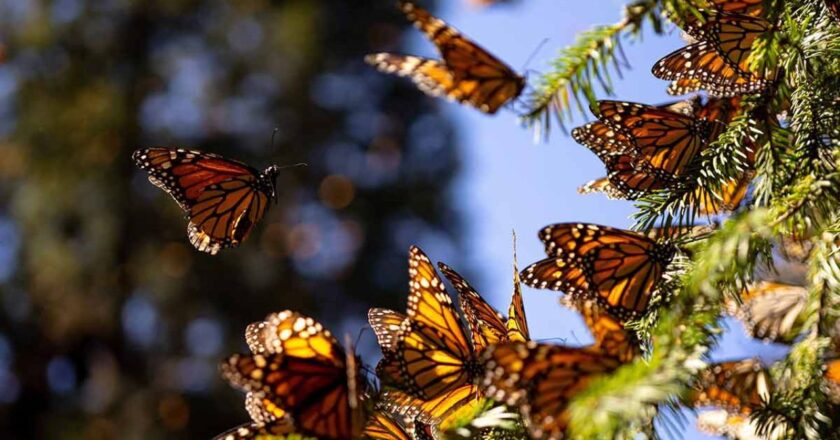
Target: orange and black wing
<point x="621" y="269"/>
<point x="727" y="200"/>
<point x="752" y="8"/>
<point x="540" y="380"/>
<point x="221" y="197"/>
<point x="737" y="386"/>
<point x="302" y="370"/>
<point x="386" y="326"/>
<point x="486" y="325"/>
<point x="601" y="139"/>
<point x="609" y="333"/>
<point x="699" y="66"/>
<point x="771" y="311"/>
<point x="731" y="35"/>
<point x="432" y="351"/>
<point x="468" y="73"/>
<point x="667" y="140"/>
<point x="439" y="411"/>
<point x="517" y="323"/>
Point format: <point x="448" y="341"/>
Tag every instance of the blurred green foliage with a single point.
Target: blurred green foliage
<point x="111" y="324"/>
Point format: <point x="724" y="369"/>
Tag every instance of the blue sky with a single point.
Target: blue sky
<point x="509" y="182"/>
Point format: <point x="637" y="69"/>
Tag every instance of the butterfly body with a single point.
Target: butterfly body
<point x="467" y="73"/>
<point x="223" y="199"/>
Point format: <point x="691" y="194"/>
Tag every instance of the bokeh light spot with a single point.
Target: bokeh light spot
<point x="336" y="191"/>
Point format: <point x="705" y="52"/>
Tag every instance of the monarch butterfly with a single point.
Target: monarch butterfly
<point x="540" y="379"/>
<point x="223" y="198"/>
<point x="467" y="74"/>
<point x="618" y="268"/>
<point x="665" y="139"/>
<point x="430" y="354"/>
<point x="611" y="338"/>
<point x="486" y="325"/>
<point x="300" y="368"/>
<point x="718" y="62"/>
<point x="771" y="311"/>
<point x="736" y="386"/>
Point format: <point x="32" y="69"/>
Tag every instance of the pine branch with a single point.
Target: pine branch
<point x="586" y="64"/>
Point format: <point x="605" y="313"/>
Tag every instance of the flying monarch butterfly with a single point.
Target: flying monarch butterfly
<point x="301" y="369"/>
<point x="486" y="325"/>
<point x="739" y="387"/>
<point x="223" y="198"/>
<point x="540" y="379"/>
<point x="611" y="337"/>
<point x="771" y="311"/>
<point x="620" y="269"/>
<point x="431" y="351"/>
<point x="718" y="62"/>
<point x="467" y="74"/>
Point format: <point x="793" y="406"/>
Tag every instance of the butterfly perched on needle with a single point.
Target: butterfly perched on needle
<point x="223" y="199"/>
<point x="383" y="425"/>
<point x="719" y="61"/>
<point x="618" y="268"/>
<point x="298" y="369"/>
<point x="467" y="73"/>
<point x="428" y="359"/>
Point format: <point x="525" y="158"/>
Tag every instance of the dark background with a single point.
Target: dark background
<point x="111" y="324"/>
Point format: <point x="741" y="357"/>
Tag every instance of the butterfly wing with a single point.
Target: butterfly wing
<point x="433" y="353"/>
<point x="486" y="324"/>
<point x="771" y="311"/>
<point x="700" y="67"/>
<point x="540" y="380"/>
<point x="299" y="367"/>
<point x="601" y="139"/>
<point x="666" y="140"/>
<point x="619" y="268"/>
<point x="385" y="426"/>
<point x="753" y="8"/>
<point x="435" y="411"/>
<point x="611" y="338"/>
<point x="221" y="196"/>
<point x="386" y="326"/>
<point x="517" y="323"/>
<point x="737" y="386"/>
<point x="468" y="74"/>
<point x="731" y="195"/>
<point x="484" y="81"/>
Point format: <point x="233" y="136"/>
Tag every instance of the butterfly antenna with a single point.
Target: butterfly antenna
<point x="533" y="54"/>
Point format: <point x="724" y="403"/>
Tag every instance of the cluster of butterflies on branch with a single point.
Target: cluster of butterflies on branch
<point x="437" y="361"/>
